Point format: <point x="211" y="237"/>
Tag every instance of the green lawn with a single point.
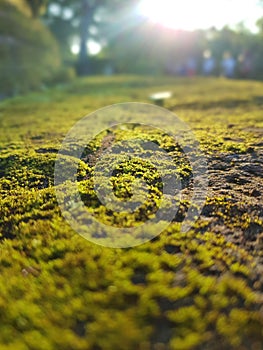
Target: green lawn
<point x="197" y="290"/>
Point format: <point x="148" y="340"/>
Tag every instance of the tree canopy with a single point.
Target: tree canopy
<point x="83" y="19"/>
<point x="131" y="42"/>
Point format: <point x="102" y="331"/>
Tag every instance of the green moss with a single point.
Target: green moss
<point x="193" y="290"/>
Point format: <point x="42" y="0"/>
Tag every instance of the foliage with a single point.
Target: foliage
<point x="81" y="21"/>
<point x="21" y="5"/>
<point x="135" y="45"/>
<point x="29" y="54"/>
<point x="36" y="6"/>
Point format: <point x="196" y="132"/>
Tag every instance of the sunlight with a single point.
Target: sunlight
<point x="93" y="47"/>
<point x="75" y="49"/>
<point x="202" y="14"/>
<point x="187" y="14"/>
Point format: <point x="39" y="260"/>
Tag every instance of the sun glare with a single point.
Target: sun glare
<point x="93" y="47"/>
<point x="202" y="14"/>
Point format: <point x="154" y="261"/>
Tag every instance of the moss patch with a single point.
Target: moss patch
<point x="195" y="290"/>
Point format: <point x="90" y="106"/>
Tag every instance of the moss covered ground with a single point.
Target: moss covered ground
<point x="197" y="290"/>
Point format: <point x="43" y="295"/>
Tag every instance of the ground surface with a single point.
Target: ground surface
<point x="199" y="290"/>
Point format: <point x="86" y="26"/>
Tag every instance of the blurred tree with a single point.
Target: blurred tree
<point x="84" y="19"/>
<point x="241" y="44"/>
<point x="33" y="8"/>
<point x="29" y="55"/>
<point x="36" y="6"/>
<point x="260" y="24"/>
<point x="21" y="5"/>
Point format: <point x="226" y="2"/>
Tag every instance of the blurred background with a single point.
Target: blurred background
<point x="46" y="42"/>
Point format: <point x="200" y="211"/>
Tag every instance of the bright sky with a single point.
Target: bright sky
<point x="202" y="14"/>
<point x="193" y="14"/>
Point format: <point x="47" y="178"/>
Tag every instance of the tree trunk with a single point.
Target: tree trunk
<point x="85" y="22"/>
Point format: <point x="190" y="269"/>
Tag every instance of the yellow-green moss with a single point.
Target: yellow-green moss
<point x="192" y="290"/>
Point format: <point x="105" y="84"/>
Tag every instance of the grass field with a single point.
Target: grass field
<point x="197" y="290"/>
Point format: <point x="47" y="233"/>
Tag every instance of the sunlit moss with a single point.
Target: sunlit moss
<point x="193" y="290"/>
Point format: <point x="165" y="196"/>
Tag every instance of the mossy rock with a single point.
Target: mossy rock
<point x="194" y="291"/>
